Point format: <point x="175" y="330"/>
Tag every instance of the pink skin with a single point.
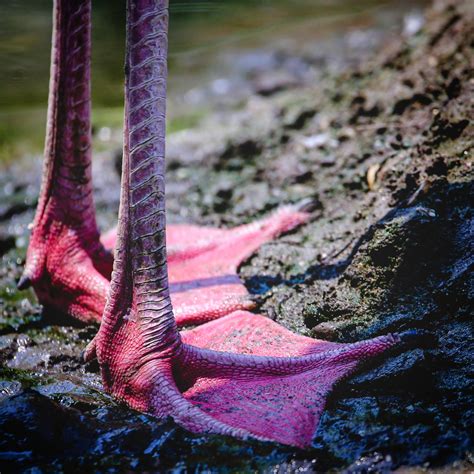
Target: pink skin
<point x="241" y="375"/>
<point x="68" y="264"/>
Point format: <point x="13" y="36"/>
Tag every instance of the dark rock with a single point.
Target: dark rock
<point x="375" y="463"/>
<point x="298" y="120"/>
<point x="369" y="112"/>
<point x="453" y="89"/>
<point x="271" y="83"/>
<point x="9" y="388"/>
<point x="34" y="428"/>
<point x="326" y="330"/>
<point x="7" y="242"/>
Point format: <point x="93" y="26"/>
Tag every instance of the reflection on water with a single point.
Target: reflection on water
<point x="204" y="37"/>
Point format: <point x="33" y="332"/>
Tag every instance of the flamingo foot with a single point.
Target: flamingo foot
<point x="68" y="268"/>
<point x="242" y="375"/>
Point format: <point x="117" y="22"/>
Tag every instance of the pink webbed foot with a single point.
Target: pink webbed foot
<point x="204" y="283"/>
<point x="242" y="375"/>
<point x="203" y="263"/>
<point x="282" y="407"/>
<point x="278" y="399"/>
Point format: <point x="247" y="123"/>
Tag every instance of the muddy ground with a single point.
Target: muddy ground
<point x="385" y="148"/>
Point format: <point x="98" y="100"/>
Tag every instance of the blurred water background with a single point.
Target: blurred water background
<point x="218" y="44"/>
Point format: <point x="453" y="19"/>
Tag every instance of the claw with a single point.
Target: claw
<point x="24" y="282"/>
<point x="90" y="352"/>
<point x="308" y="205"/>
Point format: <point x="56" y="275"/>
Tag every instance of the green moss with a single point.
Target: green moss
<point x="51" y="333"/>
<point x="17" y="322"/>
<point x="17" y="308"/>
<point x="27" y="378"/>
<point x="182" y="122"/>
